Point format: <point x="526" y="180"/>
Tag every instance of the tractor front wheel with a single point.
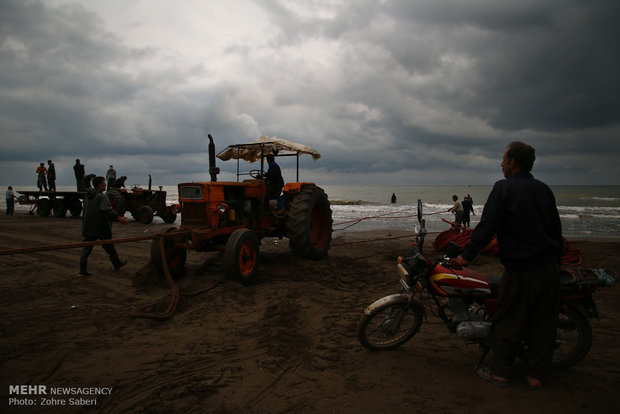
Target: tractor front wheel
<point x="309" y="223"/>
<point x="168" y="216"/>
<point x="241" y="256"/>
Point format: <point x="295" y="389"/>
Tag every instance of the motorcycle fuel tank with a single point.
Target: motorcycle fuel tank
<point x="462" y="282"/>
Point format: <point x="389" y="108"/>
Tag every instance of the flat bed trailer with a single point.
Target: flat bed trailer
<point x="53" y="202"/>
<point x="141" y="203"/>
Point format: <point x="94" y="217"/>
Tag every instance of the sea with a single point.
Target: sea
<point x="585" y="211"/>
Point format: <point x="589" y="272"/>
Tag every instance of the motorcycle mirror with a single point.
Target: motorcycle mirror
<point x="419" y="211"/>
<point x="421" y="235"/>
<point x="422" y="226"/>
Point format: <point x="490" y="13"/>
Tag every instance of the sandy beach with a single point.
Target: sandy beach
<point x="286" y="344"/>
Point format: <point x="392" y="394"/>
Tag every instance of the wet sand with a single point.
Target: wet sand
<point x="286" y="344"/>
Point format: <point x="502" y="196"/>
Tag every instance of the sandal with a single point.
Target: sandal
<point x="486" y="373"/>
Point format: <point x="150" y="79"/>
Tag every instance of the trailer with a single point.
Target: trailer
<point x="56" y="202"/>
<point x="143" y="204"/>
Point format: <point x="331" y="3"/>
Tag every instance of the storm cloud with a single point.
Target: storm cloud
<point x="394" y="92"/>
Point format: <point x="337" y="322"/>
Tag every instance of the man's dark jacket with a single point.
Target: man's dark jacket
<point x="274" y="175"/>
<point x="98" y="215"/>
<point x="51" y="172"/>
<point x="522" y="212"/>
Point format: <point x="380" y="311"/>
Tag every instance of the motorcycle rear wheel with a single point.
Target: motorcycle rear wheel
<point x="574" y="338"/>
<point x="379" y="331"/>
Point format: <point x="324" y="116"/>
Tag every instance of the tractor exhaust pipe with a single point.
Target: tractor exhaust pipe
<point x="213" y="170"/>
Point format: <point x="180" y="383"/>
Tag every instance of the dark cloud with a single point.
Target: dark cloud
<point x="398" y="89"/>
<point x="547" y="70"/>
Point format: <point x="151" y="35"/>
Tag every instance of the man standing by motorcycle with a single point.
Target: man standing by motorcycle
<point x="522" y="212"/>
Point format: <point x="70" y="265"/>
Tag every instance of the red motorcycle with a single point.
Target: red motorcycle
<point x="465" y="300"/>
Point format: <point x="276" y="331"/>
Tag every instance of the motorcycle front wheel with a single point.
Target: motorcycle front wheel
<point x="574" y="338"/>
<point x="390" y="325"/>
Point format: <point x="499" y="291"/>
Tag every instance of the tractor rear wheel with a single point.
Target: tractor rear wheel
<point x="241" y="256"/>
<point x="309" y="223"/>
<point x="118" y="201"/>
<point x="175" y="256"/>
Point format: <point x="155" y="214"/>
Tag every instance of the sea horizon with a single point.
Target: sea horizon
<point x="586" y="211"/>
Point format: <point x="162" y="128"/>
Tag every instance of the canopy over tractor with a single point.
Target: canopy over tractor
<point x="255" y="151"/>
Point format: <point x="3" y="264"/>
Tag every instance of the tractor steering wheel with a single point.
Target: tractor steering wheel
<point x="256" y="174"/>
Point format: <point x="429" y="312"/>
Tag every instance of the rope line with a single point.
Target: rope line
<point x="373" y="240"/>
<point x="359" y="220"/>
<point x="159" y="238"/>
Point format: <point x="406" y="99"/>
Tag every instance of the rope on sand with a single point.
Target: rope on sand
<point x="174" y="290"/>
<point x="75" y="245"/>
<point x="373" y="240"/>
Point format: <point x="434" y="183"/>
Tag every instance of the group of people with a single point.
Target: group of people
<point x="112" y="181"/>
<point x="85" y="182"/>
<point x="46" y="177"/>
<point x="462" y="210"/>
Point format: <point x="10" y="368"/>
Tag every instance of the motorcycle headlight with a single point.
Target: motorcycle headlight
<point x="403" y="273"/>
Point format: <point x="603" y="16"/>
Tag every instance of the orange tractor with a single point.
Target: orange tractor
<point x="235" y="216"/>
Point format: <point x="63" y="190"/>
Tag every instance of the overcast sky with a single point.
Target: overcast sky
<point x="389" y="92"/>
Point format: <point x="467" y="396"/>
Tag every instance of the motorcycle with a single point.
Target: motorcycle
<point x="465" y="300"/>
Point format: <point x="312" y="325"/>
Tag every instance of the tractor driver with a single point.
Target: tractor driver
<point x="274" y="179"/>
